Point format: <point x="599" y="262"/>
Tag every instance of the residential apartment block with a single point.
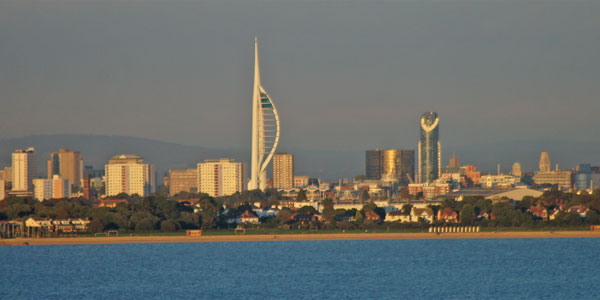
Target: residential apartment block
<point x="221" y="177"/>
<point x="129" y="174"/>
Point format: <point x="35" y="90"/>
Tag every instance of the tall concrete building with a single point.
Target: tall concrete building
<point x="23" y="170"/>
<point x="374" y="165"/>
<point x="183" y="181"/>
<point x="221" y="177"/>
<point x="68" y="165"/>
<point x="55" y="188"/>
<point x="544" y="162"/>
<point x="129" y="174"/>
<point x="283" y="171"/>
<point x="430" y="148"/>
<point x="390" y="164"/>
<point x="265" y="130"/>
<point x="398" y="164"/>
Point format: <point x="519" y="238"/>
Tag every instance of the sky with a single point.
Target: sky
<point x="347" y="75"/>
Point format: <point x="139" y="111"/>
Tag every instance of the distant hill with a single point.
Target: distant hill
<point x="97" y="149"/>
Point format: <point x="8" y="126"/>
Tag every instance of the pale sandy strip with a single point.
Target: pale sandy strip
<point x="296" y="237"/>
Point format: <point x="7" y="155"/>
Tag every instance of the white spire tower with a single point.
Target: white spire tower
<point x="265" y="130"/>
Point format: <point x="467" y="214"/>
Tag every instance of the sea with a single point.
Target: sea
<point x="560" y="268"/>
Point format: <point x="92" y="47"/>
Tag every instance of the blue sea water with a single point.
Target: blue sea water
<point x="387" y="269"/>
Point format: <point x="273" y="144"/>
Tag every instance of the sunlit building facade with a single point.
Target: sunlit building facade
<point x="221" y="177"/>
<point x="67" y="164"/>
<point x="183" y="181"/>
<point x="283" y="171"/>
<point x="430" y="148"/>
<point x="129" y="174"/>
<point x="23" y="170"/>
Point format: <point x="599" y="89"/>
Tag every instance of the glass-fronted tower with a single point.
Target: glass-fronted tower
<point x="430" y="148"/>
<point x="265" y="130"/>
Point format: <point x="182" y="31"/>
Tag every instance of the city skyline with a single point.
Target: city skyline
<point x="199" y="78"/>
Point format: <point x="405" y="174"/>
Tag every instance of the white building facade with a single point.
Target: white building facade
<point x="129" y="174"/>
<point x="221" y="177"/>
<point x="23" y="168"/>
<point x="55" y="188"/>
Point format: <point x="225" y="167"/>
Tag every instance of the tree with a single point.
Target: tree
<point x="359" y="217"/>
<point x="364" y="196"/>
<point x="301" y="196"/>
<point x="592" y="217"/>
<point x="284" y="216"/>
<point x="328" y="212"/>
<point x="146" y="224"/>
<point x="406" y="209"/>
<point x="467" y="215"/>
<point x="168" y="226"/>
<point x="95" y="226"/>
<point x="309" y="210"/>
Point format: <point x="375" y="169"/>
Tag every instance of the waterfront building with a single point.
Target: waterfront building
<point x="182" y="181"/>
<point x="430" y="148"/>
<point x="23" y="170"/>
<point x="265" y="130"/>
<point x="544" y="162"/>
<point x="127" y="173"/>
<point x="68" y="165"/>
<point x="283" y="171"/>
<point x="221" y="177"/>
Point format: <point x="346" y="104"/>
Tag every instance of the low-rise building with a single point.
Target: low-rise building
<point x="561" y="178"/>
<point x="397" y="216"/>
<point x="448" y="215"/>
<point x="425" y="214"/>
<point x="112" y="203"/>
<point x="248" y="217"/>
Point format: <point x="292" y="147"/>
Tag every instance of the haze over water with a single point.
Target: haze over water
<point x="392" y="269"/>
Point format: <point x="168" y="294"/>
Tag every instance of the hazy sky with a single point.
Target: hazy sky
<point x="344" y="75"/>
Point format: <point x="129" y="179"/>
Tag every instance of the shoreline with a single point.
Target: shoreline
<point x="296" y="237"/>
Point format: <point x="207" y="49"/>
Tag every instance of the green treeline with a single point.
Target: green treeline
<point x="200" y="211"/>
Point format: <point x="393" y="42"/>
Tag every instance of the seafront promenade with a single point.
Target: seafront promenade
<point x="297" y="237"/>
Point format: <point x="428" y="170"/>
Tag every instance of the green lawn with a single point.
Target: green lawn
<point x="255" y="231"/>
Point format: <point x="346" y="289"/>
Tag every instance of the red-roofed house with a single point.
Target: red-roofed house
<point x="448" y="215"/>
<point x="373" y="216"/>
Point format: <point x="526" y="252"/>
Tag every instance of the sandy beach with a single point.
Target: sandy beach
<point x="296" y="237"/>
